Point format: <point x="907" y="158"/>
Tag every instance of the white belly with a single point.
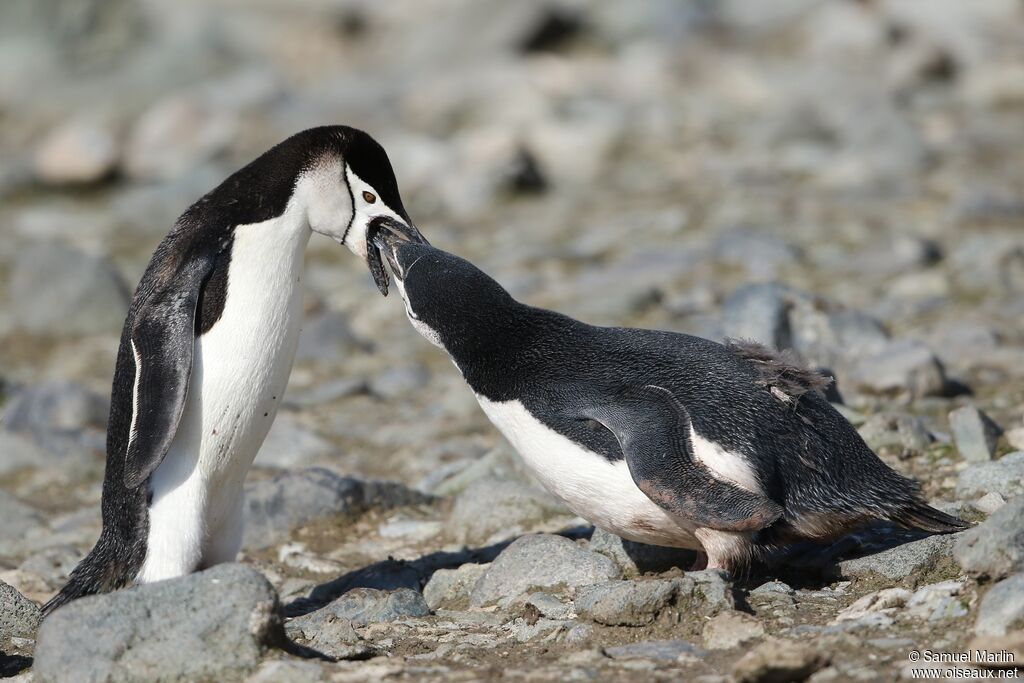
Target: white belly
<point x="600" y="491"/>
<point x="239" y="373"/>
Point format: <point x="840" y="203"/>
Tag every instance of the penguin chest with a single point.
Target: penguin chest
<point x="600" y="491"/>
<point x="240" y="369"/>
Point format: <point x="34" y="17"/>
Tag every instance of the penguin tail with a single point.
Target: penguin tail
<point x="108" y="566"/>
<point x="924" y="517"/>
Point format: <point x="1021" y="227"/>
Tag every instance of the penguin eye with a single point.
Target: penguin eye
<point x="369" y="197"/>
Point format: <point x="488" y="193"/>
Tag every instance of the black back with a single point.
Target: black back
<point x="806" y="455"/>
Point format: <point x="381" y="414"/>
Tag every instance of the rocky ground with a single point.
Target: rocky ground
<point x="841" y="178"/>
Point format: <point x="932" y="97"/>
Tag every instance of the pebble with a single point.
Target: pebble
<point x="778" y="660"/>
<point x="1002" y="609"/>
<point x="491" y="510"/>
<point x="362" y="606"/>
<point x="974" y="433"/>
<point x="1004" y="477"/>
<point x="731" y="629"/>
<point x="1015" y="438"/>
<point x="541" y="561"/>
<point x="989" y="503"/>
<point x="995" y="548"/>
<point x="657" y="650"/>
<point x="213" y="625"/>
<point x="625" y="603"/>
<point x="938" y="601"/>
<point x="450" y="588"/>
<point x="19" y="616"/>
<point x="76" y="152"/>
<point x="904" y="367"/>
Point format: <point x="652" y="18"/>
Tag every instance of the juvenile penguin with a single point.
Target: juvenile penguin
<point x="657" y="437"/>
<point x="207" y="348"/>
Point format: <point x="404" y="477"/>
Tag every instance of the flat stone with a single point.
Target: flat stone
<point x="363" y="606"/>
<point x="1004" y="476"/>
<point x="625" y="603"/>
<point x="887" y="600"/>
<point x="657" y="650"/>
<point x="1002" y="609"/>
<point x="974" y="433"/>
<point x="938" y="601"/>
<point x="900" y="562"/>
<point x="731" y="629"/>
<point x="212" y="625"/>
<point x="541" y="561"/>
<point x="995" y="548"/>
<point x="758" y="312"/>
<point x="777" y="661"/>
<point x="490" y="510"/>
<point x="989" y="503"/>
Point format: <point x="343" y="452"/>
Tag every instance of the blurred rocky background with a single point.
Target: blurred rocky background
<point x="843" y="178"/>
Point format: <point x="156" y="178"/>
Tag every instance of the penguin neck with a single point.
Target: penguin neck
<point x="495" y="350"/>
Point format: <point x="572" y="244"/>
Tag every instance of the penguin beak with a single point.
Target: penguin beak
<point x="384" y="234"/>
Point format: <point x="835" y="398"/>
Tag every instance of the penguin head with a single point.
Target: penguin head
<point x="346" y="182"/>
<point x="452" y="303"/>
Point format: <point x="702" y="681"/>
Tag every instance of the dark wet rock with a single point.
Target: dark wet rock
<point x="903" y="368"/>
<point x="777" y="661"/>
<point x="19" y="616"/>
<point x="213" y="625"/>
<point x="995" y="548"/>
<point x="57" y="289"/>
<point x="494" y="509"/>
<point x="657" y="650"/>
<point x="1002" y="608"/>
<point x="1004" y="476"/>
<point x="541" y="561"/>
<point x="639" y="558"/>
<point x="451" y="587"/>
<point x="916" y="557"/>
<point x="731" y="629"/>
<point x="974" y="433"/>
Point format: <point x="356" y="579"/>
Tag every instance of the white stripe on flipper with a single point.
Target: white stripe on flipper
<point x="135" y="395"/>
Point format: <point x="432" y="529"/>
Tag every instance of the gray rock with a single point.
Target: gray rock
<point x="490" y="510"/>
<point x="541" y="561"/>
<point x="291" y="444"/>
<point x="21" y="522"/>
<point x="938" y="601"/>
<point x="401" y="381"/>
<point x="1004" y="476"/>
<point x="902" y="561"/>
<point x="905" y="431"/>
<point x="658" y="650"/>
<point x="762" y="255"/>
<point x="18" y="451"/>
<point x="450" y="588"/>
<point x="731" y="629"/>
<point x="625" y="603"/>
<point x="289" y="671"/>
<point x="362" y="606"/>
<point x="213" y="625"/>
<point x="276" y="506"/>
<point x="1002" y="608"/>
<point x="177" y="134"/>
<point x="974" y="433"/>
<point x="1015" y="437"/>
<point x="995" y="548"/>
<point x="55" y="406"/>
<point x="778" y="660"/>
<point x="989" y="503"/>
<point x="550" y="607"/>
<point x="760" y="313"/>
<point x="19" y="616"/>
<point x="638" y="558"/>
<point x="76" y="152"/>
<point x="56" y="289"/>
<point x="904" y="367"/>
<point x="328" y="337"/>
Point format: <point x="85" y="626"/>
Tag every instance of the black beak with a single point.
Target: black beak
<point x="384" y="234"/>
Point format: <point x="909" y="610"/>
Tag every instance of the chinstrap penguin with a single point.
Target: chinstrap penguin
<point x="658" y="437"/>
<point x="207" y="348"/>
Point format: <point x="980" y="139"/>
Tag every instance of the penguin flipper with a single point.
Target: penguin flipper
<point x="161" y="341"/>
<point x="653" y="429"/>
